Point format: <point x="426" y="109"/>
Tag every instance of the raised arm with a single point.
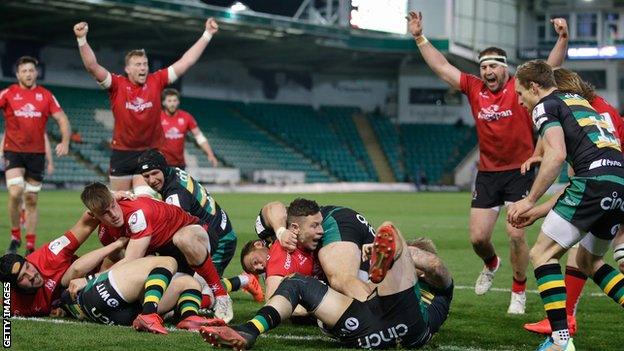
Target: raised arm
<point x="560" y="50"/>
<point x="434" y="58"/>
<point x="274" y="213"/>
<point x="194" y="52"/>
<point x="63" y="147"/>
<point x="205" y="145"/>
<point x="99" y="73"/>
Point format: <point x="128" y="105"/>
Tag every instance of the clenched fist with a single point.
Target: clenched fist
<point x="81" y="29"/>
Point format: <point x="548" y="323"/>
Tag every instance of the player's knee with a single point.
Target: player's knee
<point x="30" y="199"/>
<point x="169" y="263"/>
<point x="184" y="282"/>
<point x="516" y="239"/>
<point x="32" y="188"/>
<point x="16" y="187"/>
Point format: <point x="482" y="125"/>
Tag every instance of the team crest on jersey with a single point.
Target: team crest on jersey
<point x="39" y="97"/>
<point x="181" y="121"/>
<point x="493" y="113"/>
<point x="28" y="111"/>
<point x="137" y="221"/>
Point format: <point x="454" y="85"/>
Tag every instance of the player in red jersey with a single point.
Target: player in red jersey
<point x="38" y="280"/>
<point x="505" y="134"/>
<point x="176" y="123"/>
<point x="26" y="107"/>
<point x="570" y="82"/>
<point x="157" y="227"/>
<point x="135" y="102"/>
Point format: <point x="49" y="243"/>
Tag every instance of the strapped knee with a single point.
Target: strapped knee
<point x="17" y="181"/>
<point x="30" y="188"/>
<point x="301" y="290"/>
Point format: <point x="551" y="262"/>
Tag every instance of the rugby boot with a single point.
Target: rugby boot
<point x="193" y="323"/>
<point x="150" y="323"/>
<point x="486" y="277"/>
<point x="549" y="345"/>
<point x="543" y="326"/>
<point x="254" y="288"/>
<point x="227" y="337"/>
<point x="13" y="246"/>
<point x="384" y="251"/>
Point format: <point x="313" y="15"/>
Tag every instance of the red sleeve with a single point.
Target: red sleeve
<point x="467" y="82"/>
<point x="62" y="248"/>
<point x="277" y="263"/>
<point x="162" y="76"/>
<point x="138" y="223"/>
<point x="53" y="104"/>
<point x="192" y="123"/>
<point x="3" y="98"/>
<point x="115" y="78"/>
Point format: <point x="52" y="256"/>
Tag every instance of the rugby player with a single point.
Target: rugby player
<point x="136" y="293"/>
<point x="341" y="234"/>
<point x="177" y="187"/>
<point x="393" y="316"/>
<point x="176" y="123"/>
<point x="38" y="279"/>
<point x="157" y="227"/>
<point x="135" y="102"/>
<point x="26" y="107"/>
<point x="505" y="137"/>
<point x="570" y="82"/>
<point x="587" y="213"/>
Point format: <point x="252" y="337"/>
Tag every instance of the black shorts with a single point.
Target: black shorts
<point x="496" y="188"/>
<point x="33" y="163"/>
<point x="102" y="304"/>
<point x="345" y="224"/>
<point x="385" y="321"/>
<point x="438" y="304"/>
<point x="124" y="163"/>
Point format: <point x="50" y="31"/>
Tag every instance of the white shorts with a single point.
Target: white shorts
<point x="567" y="235"/>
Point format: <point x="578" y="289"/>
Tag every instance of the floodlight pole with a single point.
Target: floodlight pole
<point x="332" y="13"/>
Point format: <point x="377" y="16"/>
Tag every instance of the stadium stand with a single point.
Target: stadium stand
<point x="388" y="136"/>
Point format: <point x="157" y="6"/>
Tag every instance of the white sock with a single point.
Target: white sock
<point x="561" y="337"/>
<point x="244" y="279"/>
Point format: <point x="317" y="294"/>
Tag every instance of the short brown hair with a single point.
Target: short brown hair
<point x="537" y="71"/>
<point x="301" y="208"/>
<point x="24" y="60"/>
<point x="134" y="53"/>
<point x="249" y="247"/>
<point x="569" y="81"/>
<point x="96" y="197"/>
<point x="492" y="50"/>
<point x="169" y="92"/>
<point x="424" y="244"/>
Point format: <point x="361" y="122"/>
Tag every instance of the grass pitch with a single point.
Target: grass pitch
<point x="476" y="323"/>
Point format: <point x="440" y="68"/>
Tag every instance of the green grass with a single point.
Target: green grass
<point x="476" y="322"/>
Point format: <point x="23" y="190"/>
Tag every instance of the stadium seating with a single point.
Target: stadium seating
<point x="304" y="129"/>
<point x="388" y="137"/>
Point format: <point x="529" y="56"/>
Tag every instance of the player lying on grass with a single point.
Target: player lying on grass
<point x="157" y="227"/>
<point x="340" y="233"/>
<point x="136" y="293"/>
<point x="393" y="315"/>
<point x="38" y="280"/>
<point x="570" y="82"/>
<point x="177" y="187"/>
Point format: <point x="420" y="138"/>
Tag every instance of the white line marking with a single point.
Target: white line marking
<point x="465" y="287"/>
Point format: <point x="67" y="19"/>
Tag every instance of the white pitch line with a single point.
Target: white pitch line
<point x="465" y="287"/>
<point x="268" y="336"/>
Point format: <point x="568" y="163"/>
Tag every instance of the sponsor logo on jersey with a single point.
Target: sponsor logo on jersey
<point x="387" y="335"/>
<point x="538" y="115"/>
<point x="605" y="163"/>
<point x="259" y="227"/>
<point x="287" y="262"/>
<point x="137" y="221"/>
<point x="492" y="113"/>
<point x="351" y="323"/>
<point x="106" y="296"/>
<point x="28" y="111"/>
<point x="138" y="105"/>
<point x="612" y="203"/>
<point x="173" y="200"/>
<point x="50" y="284"/>
<point x="59" y="244"/>
<point x="181" y="121"/>
<point x="18" y="97"/>
<point x="174" y="133"/>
